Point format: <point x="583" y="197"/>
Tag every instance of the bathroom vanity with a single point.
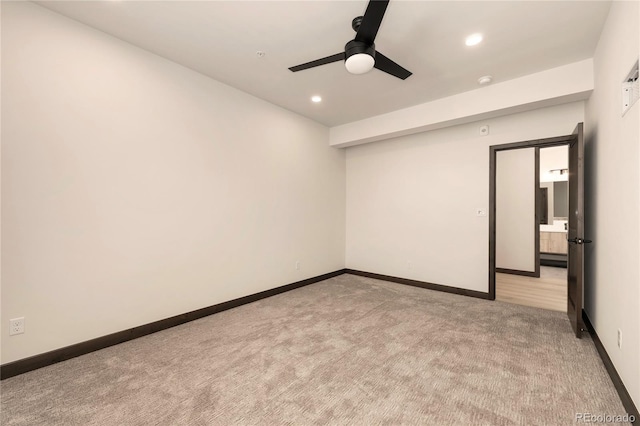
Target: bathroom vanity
<point x="553" y="242"/>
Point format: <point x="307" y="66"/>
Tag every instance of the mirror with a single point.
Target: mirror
<point x="554" y="202"/>
<point x="560" y="200"/>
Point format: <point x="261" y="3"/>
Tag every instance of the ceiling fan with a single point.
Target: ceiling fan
<point x="360" y="54"/>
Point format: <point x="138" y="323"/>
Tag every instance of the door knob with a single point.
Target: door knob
<point x="579" y="241"/>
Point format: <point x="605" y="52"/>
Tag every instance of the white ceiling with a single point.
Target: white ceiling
<point x="220" y="39"/>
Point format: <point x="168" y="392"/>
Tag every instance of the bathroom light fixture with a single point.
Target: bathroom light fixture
<point x="559" y="171"/>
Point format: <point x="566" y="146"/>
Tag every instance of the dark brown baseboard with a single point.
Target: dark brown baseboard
<point x="627" y="402"/>
<point x="554" y="263"/>
<point x="518" y="272"/>
<point x="25" y="365"/>
<point x="58" y="355"/>
<point x="421" y="284"/>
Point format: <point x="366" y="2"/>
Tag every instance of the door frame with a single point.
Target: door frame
<point x="493" y="150"/>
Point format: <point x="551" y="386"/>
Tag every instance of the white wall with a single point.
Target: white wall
<point x="515" y="209"/>
<point x="555" y="86"/>
<point x="414" y="198"/>
<point x="135" y="189"/>
<point x="554" y="158"/>
<point x="612" y="199"/>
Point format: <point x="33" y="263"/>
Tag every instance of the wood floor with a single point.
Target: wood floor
<point x="547" y="292"/>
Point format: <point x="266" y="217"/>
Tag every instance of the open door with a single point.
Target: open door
<point x="575" y="234"/>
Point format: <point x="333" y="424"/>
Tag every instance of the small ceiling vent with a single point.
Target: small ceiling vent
<point x="630" y="90"/>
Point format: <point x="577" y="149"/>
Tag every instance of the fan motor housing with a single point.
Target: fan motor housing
<point x="355" y="24"/>
<point x="354" y="47"/>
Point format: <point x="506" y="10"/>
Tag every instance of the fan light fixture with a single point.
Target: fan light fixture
<point x="359" y="63"/>
<point x="360" y="55"/>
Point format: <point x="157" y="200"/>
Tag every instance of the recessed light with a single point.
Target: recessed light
<point x="473" y="39"/>
<point x="484" y="80"/>
<point x="316" y="99"/>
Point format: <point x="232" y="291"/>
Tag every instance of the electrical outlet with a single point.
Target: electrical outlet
<point x="297" y="265"/>
<point x="409" y="265"/>
<point x="619" y="339"/>
<point x="16" y="326"/>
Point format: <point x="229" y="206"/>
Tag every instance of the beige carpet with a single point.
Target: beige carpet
<point x="349" y="350"/>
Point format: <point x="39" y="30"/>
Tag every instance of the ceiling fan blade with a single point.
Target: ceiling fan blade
<point x="333" y="58"/>
<point x="371" y="21"/>
<point x="387" y="65"/>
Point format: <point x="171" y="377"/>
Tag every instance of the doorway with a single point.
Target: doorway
<point x="554" y="205"/>
<point x="573" y="286"/>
